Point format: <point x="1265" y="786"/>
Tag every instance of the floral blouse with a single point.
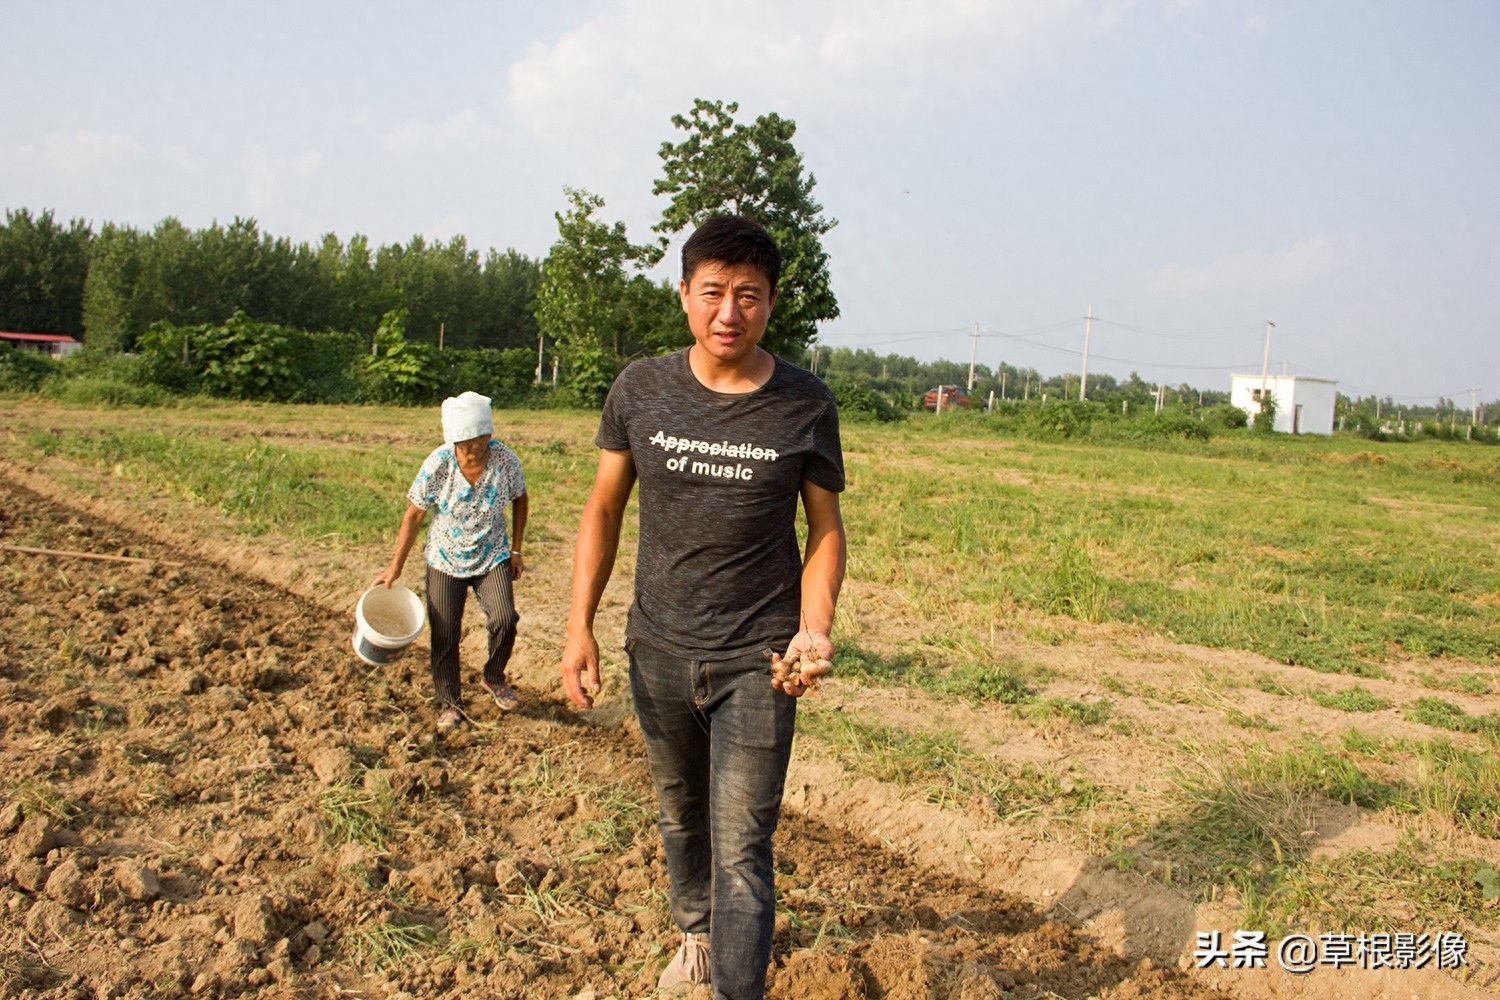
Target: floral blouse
<point x="467" y="536"/>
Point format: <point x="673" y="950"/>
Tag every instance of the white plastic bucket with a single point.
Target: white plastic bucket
<point x="386" y="621"/>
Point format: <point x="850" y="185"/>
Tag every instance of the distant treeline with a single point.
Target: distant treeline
<point x="233" y="312"/>
<point x="106" y="288"/>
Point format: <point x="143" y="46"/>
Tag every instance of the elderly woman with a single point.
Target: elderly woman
<point x="466" y="483"/>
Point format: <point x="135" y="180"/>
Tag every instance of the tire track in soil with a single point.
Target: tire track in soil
<point x="182" y="751"/>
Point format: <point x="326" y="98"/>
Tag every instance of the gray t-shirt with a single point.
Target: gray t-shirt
<point x="717" y="571"/>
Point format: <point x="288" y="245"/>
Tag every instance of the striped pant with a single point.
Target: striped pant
<point x="445" y="613"/>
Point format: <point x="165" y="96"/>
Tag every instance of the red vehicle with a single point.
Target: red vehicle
<point x="953" y="395"/>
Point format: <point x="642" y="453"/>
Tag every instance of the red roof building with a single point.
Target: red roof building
<point x="56" y="344"/>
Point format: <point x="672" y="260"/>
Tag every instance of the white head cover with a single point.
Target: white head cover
<point x="465" y="416"/>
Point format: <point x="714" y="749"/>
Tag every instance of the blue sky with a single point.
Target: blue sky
<point x="1187" y="169"/>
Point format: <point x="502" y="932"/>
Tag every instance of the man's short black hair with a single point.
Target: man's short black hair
<point x="732" y="239"/>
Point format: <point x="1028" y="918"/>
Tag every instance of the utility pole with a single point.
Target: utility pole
<point x="1088" y="328"/>
<point x="1002" y="380"/>
<point x="1265" y="364"/>
<point x="440" y="335"/>
<point x="973" y="353"/>
<point x="539" y="357"/>
<point x="1473" y="407"/>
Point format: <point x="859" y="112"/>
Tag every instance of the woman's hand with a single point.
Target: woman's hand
<point x="517" y="565"/>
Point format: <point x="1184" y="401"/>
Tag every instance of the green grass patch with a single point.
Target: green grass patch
<point x="383" y="945"/>
<point x="615" y="812"/>
<point x="1459" y="784"/>
<point x="1446" y="715"/>
<point x="1382" y="892"/>
<point x="1084" y="713"/>
<point x="1475" y="684"/>
<point x="1271" y="685"/>
<point x="360" y="810"/>
<point x="1245" y="822"/>
<point x="1279" y="546"/>
<point x="620" y="814"/>
<point x="1355" y="699"/>
<point x="1006" y="681"/>
<point x="1243" y="819"/>
<point x="939" y="767"/>
<point x="39" y="798"/>
<point x="1252" y="720"/>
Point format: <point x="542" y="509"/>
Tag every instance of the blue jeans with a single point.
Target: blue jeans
<point x="718" y="738"/>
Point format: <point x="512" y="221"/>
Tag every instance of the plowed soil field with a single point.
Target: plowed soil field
<point x="220" y="799"/>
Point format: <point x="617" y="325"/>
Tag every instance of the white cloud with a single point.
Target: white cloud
<point x="1259" y="270"/>
<point x="268" y="177"/>
<point x="180" y="158"/>
<point x="80" y="152"/>
<point x="465" y="128"/>
<point x="633" y="60"/>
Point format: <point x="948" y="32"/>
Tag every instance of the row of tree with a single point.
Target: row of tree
<point x="107" y="288"/>
<point x="905" y="380"/>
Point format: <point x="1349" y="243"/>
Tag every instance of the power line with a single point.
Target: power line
<point x="1185" y="333"/>
<point x="1124" y="361"/>
<point x="900" y="337"/>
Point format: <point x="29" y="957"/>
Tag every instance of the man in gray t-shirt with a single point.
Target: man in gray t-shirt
<point x="724" y="438"/>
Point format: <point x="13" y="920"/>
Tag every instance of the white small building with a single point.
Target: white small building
<point x="1303" y="405"/>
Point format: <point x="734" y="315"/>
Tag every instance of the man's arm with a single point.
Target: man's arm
<point x="822" y="575"/>
<point x="518" y="508"/>
<point x="593" y="561"/>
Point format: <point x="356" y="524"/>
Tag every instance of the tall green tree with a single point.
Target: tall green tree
<point x="755" y="171"/>
<point x="510" y="286"/>
<point x="580" y="303"/>
<point x="43" y="266"/>
<point x="113" y="311"/>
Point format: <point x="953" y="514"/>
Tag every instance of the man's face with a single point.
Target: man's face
<point x="728" y="307"/>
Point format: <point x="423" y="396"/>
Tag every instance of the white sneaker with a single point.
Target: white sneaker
<point x="688" y="967"/>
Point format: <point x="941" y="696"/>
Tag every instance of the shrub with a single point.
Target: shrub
<point x="85" y="390"/>
<point x="506" y="376"/>
<point x="858" y="402"/>
<point x="1225" y="416"/>
<point x="23" y="370"/>
<point x="1265" y="419"/>
<point x="327" y="365"/>
<point x="1066" y="418"/>
<point x="400" y="371"/>
<point x="1173" y="423"/>
<point x="591" y="371"/>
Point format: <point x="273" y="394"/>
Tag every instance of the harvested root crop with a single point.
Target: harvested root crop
<point x="802" y="667"/>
